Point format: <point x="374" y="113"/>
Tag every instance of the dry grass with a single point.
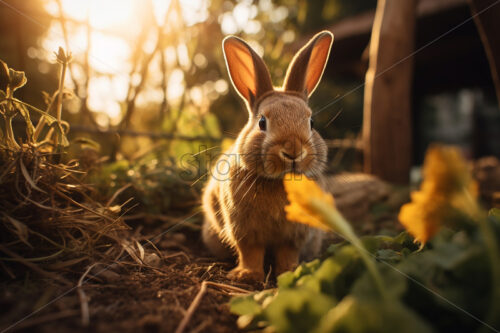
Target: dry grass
<point x="48" y="217"/>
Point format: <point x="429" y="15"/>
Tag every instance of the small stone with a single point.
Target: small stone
<point x="152" y="259"/>
<point x="109" y="275"/>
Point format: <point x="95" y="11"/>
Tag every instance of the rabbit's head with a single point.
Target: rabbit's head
<point x="279" y="136"/>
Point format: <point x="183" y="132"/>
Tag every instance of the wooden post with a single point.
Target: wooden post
<point x="387" y="105"/>
<point x="487" y="18"/>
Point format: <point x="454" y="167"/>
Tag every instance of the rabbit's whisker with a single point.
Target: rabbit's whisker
<point x="251" y="185"/>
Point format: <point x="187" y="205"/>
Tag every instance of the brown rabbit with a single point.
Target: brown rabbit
<point x="244" y="199"/>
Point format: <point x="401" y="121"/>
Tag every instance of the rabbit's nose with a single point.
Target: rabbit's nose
<point x="292" y="156"/>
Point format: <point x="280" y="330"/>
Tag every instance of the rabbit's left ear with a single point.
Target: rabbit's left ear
<point x="306" y="68"/>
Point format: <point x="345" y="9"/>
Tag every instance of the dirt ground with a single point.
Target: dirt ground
<point x="175" y="285"/>
<point x="162" y="292"/>
<point x="169" y="284"/>
<point x="128" y="297"/>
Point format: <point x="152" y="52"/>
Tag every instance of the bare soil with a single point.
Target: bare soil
<point x="126" y="296"/>
<point x="175" y="283"/>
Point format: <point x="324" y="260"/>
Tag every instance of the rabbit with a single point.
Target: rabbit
<point x="244" y="199"/>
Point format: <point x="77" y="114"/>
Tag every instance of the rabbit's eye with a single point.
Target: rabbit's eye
<point x="262" y="123"/>
<point x="312" y="123"/>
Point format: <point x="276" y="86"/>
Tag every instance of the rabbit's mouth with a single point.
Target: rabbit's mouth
<point x="277" y="163"/>
<point x="271" y="170"/>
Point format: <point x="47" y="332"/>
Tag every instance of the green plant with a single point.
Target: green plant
<point x="384" y="284"/>
<point x="155" y="182"/>
<point x="435" y="289"/>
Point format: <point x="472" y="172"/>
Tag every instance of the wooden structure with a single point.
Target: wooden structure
<point x="486" y="15"/>
<point x="452" y="48"/>
<point x="387" y="101"/>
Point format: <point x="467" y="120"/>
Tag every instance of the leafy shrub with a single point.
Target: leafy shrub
<point x="388" y="284"/>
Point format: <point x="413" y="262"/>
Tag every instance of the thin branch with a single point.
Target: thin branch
<point x="34" y="267"/>
<point x="163" y="66"/>
<point x="132" y="93"/>
<point x="62" y="19"/>
<point x="192" y="308"/>
<point x="157" y="136"/>
<point x="46" y="319"/>
<point x="234" y="289"/>
<point x="125" y="123"/>
<point x="86" y="69"/>
<point x="84" y="302"/>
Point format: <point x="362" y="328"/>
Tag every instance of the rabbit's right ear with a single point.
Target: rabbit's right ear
<point x="247" y="70"/>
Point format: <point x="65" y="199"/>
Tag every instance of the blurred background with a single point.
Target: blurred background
<point x="149" y="78"/>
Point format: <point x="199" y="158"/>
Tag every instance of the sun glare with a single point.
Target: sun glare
<point x="115" y="25"/>
<point x="108" y="14"/>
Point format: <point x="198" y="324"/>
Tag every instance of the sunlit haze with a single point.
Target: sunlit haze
<point x="115" y="27"/>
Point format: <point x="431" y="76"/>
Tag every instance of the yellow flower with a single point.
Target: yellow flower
<point x="447" y="184"/>
<point x="424" y="216"/>
<point x="301" y="193"/>
<point x="445" y="171"/>
<point x="310" y="205"/>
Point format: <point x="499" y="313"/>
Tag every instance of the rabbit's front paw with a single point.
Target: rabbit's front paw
<point x="287" y="259"/>
<point x="245" y="275"/>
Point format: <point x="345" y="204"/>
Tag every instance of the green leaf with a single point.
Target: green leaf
<point x="338" y="272"/>
<point x="495" y="214"/>
<point x="393" y="280"/>
<point x="323" y="279"/>
<point x="297" y="310"/>
<point x="288" y="279"/>
<point x="389" y="255"/>
<point x="87" y="143"/>
<point x="407" y="241"/>
<point x="450" y="256"/>
<point x="374" y="243"/>
<point x="357" y="315"/>
<point x="245" y="305"/>
<point x="250" y="307"/>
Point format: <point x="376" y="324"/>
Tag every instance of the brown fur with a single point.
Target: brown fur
<point x="245" y="198"/>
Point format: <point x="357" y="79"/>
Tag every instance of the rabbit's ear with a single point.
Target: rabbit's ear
<point x="246" y="68"/>
<point x="307" y="66"/>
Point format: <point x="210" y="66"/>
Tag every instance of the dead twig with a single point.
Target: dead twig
<point x="268" y="276"/>
<point x="154" y="136"/>
<point x="116" y="194"/>
<point x="237" y="290"/>
<point x="202" y="327"/>
<point x="192" y="308"/>
<point x="84" y="302"/>
<point x="181" y="253"/>
<point x="45" y="319"/>
<point x="34" y="267"/>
